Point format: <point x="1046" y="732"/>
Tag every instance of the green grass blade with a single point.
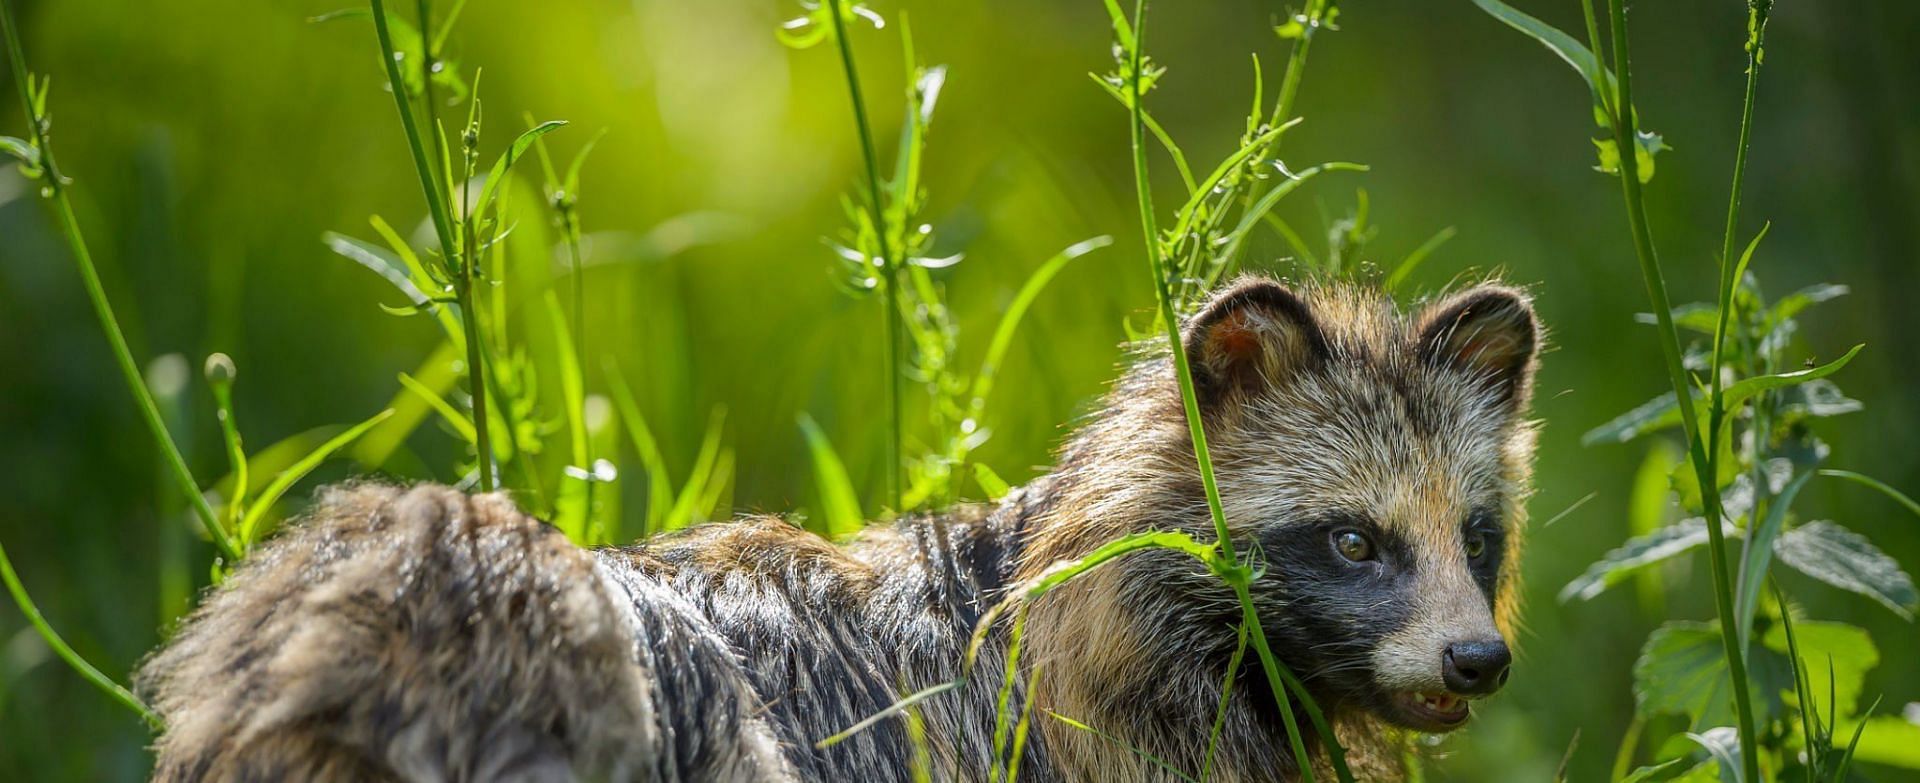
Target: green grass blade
<point x="1405" y="268"/>
<point x="459" y="421"/>
<point x="299" y="470"/>
<point x="839" y="504"/>
<point x="1017" y="310"/>
<point x="659" y="482"/>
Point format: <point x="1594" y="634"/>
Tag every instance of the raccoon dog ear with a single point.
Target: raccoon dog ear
<point x="1489" y="332"/>
<point x="1253" y="335"/>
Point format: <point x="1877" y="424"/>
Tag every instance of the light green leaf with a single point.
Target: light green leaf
<point x="1849" y="651"/>
<point x="1847" y="560"/>
<point x="1889" y="740"/>
<point x="459" y="421"/>
<point x="1723" y="744"/>
<point x="990" y="482"/>
<point x="380" y="262"/>
<point x="839" y="504"/>
<point x="1562" y="45"/>
<point x="1637" y="554"/>
<point x="1017" y="310"/>
<point x="506" y="160"/>
<point x="1648" y="510"/>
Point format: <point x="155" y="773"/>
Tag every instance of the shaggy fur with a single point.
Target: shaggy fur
<point x="420" y="634"/>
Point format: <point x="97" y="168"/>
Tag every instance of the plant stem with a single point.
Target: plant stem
<point x="1183" y="374"/>
<point x="889" y="266"/>
<point x="443" y="230"/>
<point x="56" y="191"/>
<point x="1700" y="444"/>
<point x="59" y="645"/>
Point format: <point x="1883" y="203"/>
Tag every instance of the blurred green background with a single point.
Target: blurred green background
<point x="213" y="141"/>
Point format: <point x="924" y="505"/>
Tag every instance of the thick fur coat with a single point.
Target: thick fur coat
<point x="1374" y="463"/>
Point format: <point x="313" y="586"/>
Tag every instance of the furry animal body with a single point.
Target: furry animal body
<point x="1374" y="462"/>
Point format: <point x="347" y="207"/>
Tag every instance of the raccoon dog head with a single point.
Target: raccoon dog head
<point x="1377" y="463"/>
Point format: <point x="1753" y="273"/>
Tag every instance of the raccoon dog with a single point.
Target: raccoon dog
<point x="1375" y="463"/>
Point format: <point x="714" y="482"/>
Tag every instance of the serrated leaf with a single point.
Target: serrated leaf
<point x="1683" y="670"/>
<point x="1637" y="554"/>
<point x="1791" y="304"/>
<point x="1651" y="416"/>
<point x="1849" y="561"/>
<point x="839" y="504"/>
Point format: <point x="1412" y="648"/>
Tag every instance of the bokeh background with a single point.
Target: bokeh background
<point x="213" y="141"/>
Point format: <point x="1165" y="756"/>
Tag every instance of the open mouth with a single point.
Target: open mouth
<point x="1430" y="712"/>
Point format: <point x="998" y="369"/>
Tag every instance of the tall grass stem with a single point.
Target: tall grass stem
<point x="889" y="264"/>
<point x="56" y="191"/>
<point x="1699" y="443"/>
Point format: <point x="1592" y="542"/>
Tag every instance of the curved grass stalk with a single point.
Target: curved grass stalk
<point x="55" y="189"/>
<point x="66" y="653"/>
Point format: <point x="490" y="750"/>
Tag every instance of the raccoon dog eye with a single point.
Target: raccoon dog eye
<point x="1353" y="546"/>
<point x="1476" y="544"/>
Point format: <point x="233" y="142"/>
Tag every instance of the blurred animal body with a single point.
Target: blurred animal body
<point x="1375" y="462"/>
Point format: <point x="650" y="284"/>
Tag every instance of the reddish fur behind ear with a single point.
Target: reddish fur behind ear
<point x="1490" y="332"/>
<point x="1253" y="334"/>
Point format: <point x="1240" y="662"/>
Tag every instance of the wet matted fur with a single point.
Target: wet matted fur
<point x="422" y="634"/>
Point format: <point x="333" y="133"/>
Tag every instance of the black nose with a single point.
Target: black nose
<point x="1476" y="668"/>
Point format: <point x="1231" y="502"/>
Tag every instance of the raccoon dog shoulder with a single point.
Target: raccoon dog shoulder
<point x="1375" y="462"/>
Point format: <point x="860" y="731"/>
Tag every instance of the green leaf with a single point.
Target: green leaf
<point x="1017" y="310"/>
<point x="1695" y="316"/>
<point x="1651" y="416"/>
<point x="659" y="483"/>
<point x="505" y="163"/>
<point x="1406" y="266"/>
<point x="1836" y="657"/>
<point x="706" y="465"/>
<point x="1791" y="304"/>
<point x="839" y="504"/>
<point x="380" y="262"/>
<point x="1646" y="145"/>
<point x="1637" y="554"/>
<point x="1889" y="740"/>
<point x="460" y="422"/>
<point x="1660" y="412"/>
<point x="1683" y="670"/>
<point x="1759" y="554"/>
<point x="1562" y="45"/>
<point x="1650" y="773"/>
<point x="990" y="482"/>
<point x="299" y="470"/>
<point x="1847" y="560"/>
<point x="1649" y="509"/>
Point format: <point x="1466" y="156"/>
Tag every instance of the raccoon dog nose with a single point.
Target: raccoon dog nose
<point x="1475" y="668"/>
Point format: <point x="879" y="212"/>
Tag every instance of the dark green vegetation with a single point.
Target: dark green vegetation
<point x="214" y="148"/>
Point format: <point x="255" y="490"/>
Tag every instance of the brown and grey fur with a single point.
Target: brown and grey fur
<point x="420" y="634"/>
